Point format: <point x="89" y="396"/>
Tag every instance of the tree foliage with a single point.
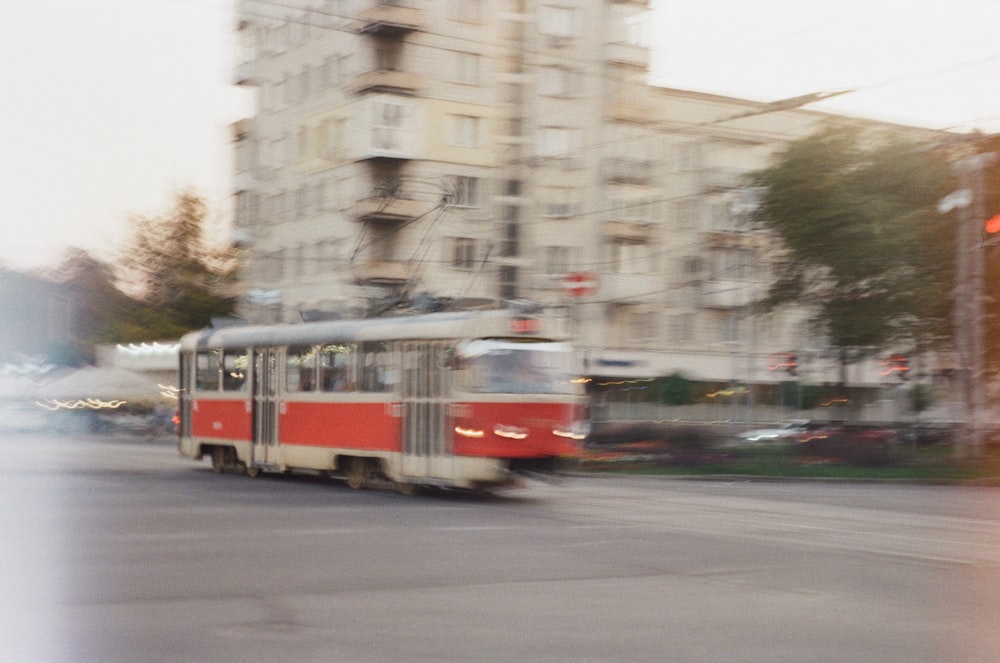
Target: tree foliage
<point x="863" y="243"/>
<point x="176" y="281"/>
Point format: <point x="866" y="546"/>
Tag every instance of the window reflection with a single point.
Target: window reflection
<point x="509" y="367"/>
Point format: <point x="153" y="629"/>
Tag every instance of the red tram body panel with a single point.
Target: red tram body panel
<point x="451" y="399"/>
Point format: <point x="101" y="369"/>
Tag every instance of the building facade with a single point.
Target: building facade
<point x="471" y="151"/>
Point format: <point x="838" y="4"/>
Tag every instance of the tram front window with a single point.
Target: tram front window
<point x="509" y="367"/>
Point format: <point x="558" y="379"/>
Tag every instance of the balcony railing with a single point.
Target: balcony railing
<point x="626" y="171"/>
<point x="390" y="19"/>
<point x="382" y="272"/>
<point x="388" y="80"/>
<point x="390" y="210"/>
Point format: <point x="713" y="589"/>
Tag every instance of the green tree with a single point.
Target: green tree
<point x="675" y="389"/>
<point x="177" y="281"/>
<point x="98" y="305"/>
<point x="862" y="242"/>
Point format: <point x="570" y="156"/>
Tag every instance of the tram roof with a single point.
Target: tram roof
<point x="462" y="324"/>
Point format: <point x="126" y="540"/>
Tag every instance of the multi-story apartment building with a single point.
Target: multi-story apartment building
<point x="478" y="150"/>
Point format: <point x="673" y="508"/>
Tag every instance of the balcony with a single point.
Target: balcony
<point x="623" y="110"/>
<point x="627" y="54"/>
<point x="390" y="210"/>
<point x="390" y="19"/>
<point x="382" y="272"/>
<point x="722" y="239"/>
<point x="388" y="80"/>
<point x="625" y="171"/>
<point x="628" y="230"/>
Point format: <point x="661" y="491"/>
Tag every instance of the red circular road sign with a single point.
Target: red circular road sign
<point x="993" y="224"/>
<point x="579" y="284"/>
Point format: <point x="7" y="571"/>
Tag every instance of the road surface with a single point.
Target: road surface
<point x="120" y="550"/>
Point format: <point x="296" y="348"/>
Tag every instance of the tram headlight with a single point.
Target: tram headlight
<point x="510" y="432"/>
<point x="578" y="431"/>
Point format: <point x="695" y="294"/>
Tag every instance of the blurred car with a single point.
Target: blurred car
<point x="788" y="431"/>
<point x="850" y="443"/>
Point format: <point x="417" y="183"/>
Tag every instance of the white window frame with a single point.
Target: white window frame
<point x="465" y="130"/>
<point x="387" y="125"/>
<point x="464" y="252"/>
<point x="467" y="68"/>
<point x="556" y="21"/>
<point x="558" y="81"/>
<point x="466" y="11"/>
<point x="558" y="142"/>
<point x="467" y="191"/>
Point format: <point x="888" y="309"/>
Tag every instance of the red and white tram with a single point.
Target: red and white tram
<point x="462" y="400"/>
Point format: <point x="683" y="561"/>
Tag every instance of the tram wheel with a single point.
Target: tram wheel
<point x="407" y="489"/>
<point x="253" y="471"/>
<point x="357" y="473"/>
<point x="218" y="459"/>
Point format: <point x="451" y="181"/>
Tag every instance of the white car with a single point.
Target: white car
<point x="786" y="432"/>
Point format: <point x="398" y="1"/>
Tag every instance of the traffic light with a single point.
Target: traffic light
<point x="786" y="361"/>
<point x="992" y="225"/>
<point x="898" y="365"/>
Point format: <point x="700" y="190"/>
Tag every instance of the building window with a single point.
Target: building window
<point x="689" y="156"/>
<point x="557" y="260"/>
<point x="558" y="82"/>
<point x="467" y="68"/>
<point x="688" y="214"/>
<point x="557" y="142"/>
<point x="466" y="11"/>
<point x="732" y="327"/>
<point x="682" y="327"/>
<point x="558" y="202"/>
<point x="732" y="265"/>
<point x="465" y="130"/>
<point x="463" y="253"/>
<point x="629" y="257"/>
<point x="466" y="191"/>
<point x="387" y="126"/>
<point x="556" y="21"/>
<point x="643" y="326"/>
<point x="691" y="265"/>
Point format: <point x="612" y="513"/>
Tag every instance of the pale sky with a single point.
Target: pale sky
<point x="109" y="107"/>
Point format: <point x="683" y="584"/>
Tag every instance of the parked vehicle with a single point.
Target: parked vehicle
<point x="853" y="444"/>
<point x="789" y="431"/>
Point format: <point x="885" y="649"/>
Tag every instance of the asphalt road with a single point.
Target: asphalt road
<point x="119" y="550"/>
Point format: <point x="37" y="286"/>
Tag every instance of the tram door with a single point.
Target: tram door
<point x="425" y="387"/>
<point x="265" y="405"/>
<point x="186" y="384"/>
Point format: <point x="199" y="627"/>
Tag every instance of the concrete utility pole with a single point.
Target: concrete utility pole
<point x="969" y="298"/>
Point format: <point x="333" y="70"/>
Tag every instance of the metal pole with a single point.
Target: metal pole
<point x="969" y="300"/>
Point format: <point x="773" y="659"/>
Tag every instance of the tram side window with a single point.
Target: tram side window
<point x="300" y="368"/>
<point x="207" y="371"/>
<point x="234" y="370"/>
<point x="375" y="367"/>
<point x="338" y="368"/>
